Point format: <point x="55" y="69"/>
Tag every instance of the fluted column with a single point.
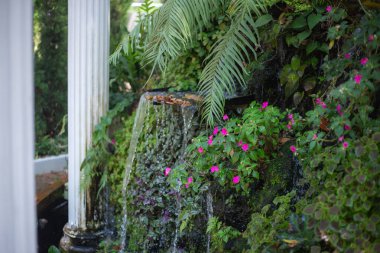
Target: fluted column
<point x="88" y="51"/>
<point x="17" y="201"/>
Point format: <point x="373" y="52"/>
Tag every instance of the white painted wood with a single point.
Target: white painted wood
<point x="17" y="203"/>
<point x="50" y="164"/>
<point x="88" y="51"/>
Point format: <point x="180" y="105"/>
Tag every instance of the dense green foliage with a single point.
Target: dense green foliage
<point x="50" y="29"/>
<point x="298" y="172"/>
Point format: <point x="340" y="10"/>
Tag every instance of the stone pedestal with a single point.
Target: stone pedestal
<point x="88" y="52"/>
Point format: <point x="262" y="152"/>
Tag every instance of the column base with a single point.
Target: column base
<point x="79" y="241"/>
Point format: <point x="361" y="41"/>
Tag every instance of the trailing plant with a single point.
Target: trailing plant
<point x="220" y="233"/>
<point x="102" y="147"/>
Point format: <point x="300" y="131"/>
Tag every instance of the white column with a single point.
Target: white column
<point x="88" y="51"/>
<point x="17" y="201"/>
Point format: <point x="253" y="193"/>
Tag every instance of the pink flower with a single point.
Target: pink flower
<point x="364" y="61"/>
<point x="371" y="37"/>
<point x="167" y="171"/>
<point x="200" y="150"/>
<point x="236" y="179"/>
<point x="339" y="109"/>
<point x="264" y="105"/>
<point x="340" y="139"/>
<point x="347" y="127"/>
<point x="240" y="143"/>
<point x="225" y="117"/>
<point x="345" y="144"/>
<point x="319" y="101"/>
<point x="113" y="141"/>
<point x="209" y="142"/>
<point x="214" y="169"/>
<point x="358" y="78"/>
<point x="293" y="149"/>
<point x="216" y="130"/>
<point x="210" y="137"/>
<point x="347" y="56"/>
<point x="245" y="147"/>
<point x="189" y="180"/>
<point x="289" y="126"/>
<point x="290" y="116"/>
<point x="329" y="8"/>
<point x="224" y="132"/>
<point x="187" y="185"/>
<point x="315" y="136"/>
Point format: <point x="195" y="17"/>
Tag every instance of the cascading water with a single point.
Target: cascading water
<point x="137" y="127"/>
<point x="162" y="129"/>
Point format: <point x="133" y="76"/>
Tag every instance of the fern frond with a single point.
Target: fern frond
<point x="225" y="67"/>
<point x="173" y="26"/>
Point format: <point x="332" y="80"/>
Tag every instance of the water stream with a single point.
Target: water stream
<point x="137" y="127"/>
<point x="210" y="213"/>
<point x="166" y="133"/>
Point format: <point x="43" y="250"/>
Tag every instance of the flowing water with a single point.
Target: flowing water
<point x="169" y="128"/>
<point x="142" y="109"/>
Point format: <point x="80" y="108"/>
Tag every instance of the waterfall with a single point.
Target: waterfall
<point x="142" y="109"/>
<point x="210" y="213"/>
<point x="160" y="135"/>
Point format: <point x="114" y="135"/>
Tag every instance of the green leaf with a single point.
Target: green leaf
<point x="297" y="98"/>
<point x="311" y="47"/>
<point x="295" y="63"/>
<point x="313" y="20"/>
<point x="298" y="23"/>
<point x="53" y="249"/>
<point x="303" y="35"/>
<point x="263" y="20"/>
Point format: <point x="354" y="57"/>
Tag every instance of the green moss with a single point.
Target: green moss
<point x="277" y="179"/>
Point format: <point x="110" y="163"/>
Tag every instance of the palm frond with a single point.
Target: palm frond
<point x="225" y="65"/>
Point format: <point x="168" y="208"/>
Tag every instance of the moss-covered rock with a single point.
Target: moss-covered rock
<point x="276" y="180"/>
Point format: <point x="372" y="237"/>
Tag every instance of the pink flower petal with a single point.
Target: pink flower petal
<point x="200" y="150"/>
<point x="189" y="180"/>
<point x="364" y="61"/>
<point x="264" y="105"/>
<point x="236" y="179"/>
<point x="315" y="136"/>
<point x="345" y="145"/>
<point x="216" y="131"/>
<point x="358" y="78"/>
<point x="347" y="56"/>
<point x="371" y="37"/>
<point x="340" y="139"/>
<point x="167" y="171"/>
<point x="240" y="143"/>
<point x="293" y="149"/>
<point x="245" y="147"/>
<point x="339" y="109"/>
<point x="224" y="132"/>
<point x="225" y="117"/>
<point x="347" y="127"/>
<point x="214" y="169"/>
<point x="329" y="8"/>
<point x="209" y="142"/>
